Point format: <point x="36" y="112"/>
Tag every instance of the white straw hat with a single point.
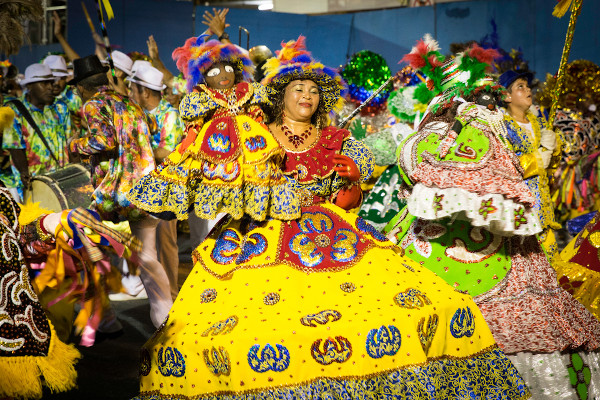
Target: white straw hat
<point x="137" y="63"/>
<point x="148" y="76"/>
<point x="121" y="61"/>
<point x="37" y="73"/>
<point x="57" y="65"/>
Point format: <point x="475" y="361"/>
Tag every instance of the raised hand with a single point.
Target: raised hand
<point x="57" y="24"/>
<point x="152" y="48"/>
<point x="216" y="22"/>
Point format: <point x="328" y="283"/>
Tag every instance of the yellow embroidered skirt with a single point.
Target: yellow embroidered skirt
<point x="233" y="167"/>
<point x="320" y="307"/>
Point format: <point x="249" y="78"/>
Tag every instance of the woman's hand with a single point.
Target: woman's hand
<point x="347" y="167"/>
<point x="349" y="198"/>
<point x="57" y="29"/>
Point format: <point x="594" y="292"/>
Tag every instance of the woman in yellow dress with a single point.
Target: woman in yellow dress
<point x="324" y="306"/>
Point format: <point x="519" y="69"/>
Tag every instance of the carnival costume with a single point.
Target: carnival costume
<point x="579" y="271"/>
<point x="30" y="351"/>
<point x="382" y="202"/>
<point x="578" y="121"/>
<point x="322" y="306"/>
<point x="470" y="219"/>
<point x="229" y="162"/>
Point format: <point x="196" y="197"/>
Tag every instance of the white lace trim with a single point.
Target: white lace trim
<point x="425" y="202"/>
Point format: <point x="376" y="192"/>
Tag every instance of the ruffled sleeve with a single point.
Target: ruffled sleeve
<point x="261" y="96"/>
<point x="196" y="105"/>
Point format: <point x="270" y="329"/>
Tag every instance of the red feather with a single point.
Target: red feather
<point x="483" y="55"/>
<point x="433" y="60"/>
<point x="414" y="60"/>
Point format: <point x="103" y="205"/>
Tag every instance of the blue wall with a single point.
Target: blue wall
<point x="527" y="25"/>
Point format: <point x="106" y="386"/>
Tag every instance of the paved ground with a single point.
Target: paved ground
<point x="109" y="369"/>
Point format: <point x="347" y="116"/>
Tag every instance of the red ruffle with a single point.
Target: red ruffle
<point x="499" y="176"/>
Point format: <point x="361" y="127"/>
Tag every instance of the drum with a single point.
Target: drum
<point x="63" y="189"/>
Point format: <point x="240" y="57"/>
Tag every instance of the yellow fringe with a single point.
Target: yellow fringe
<point x="22" y="377"/>
<point x="588" y="293"/>
<point x="561" y="8"/>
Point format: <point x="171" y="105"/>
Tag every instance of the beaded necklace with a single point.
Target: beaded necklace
<point x="526" y="144"/>
<point x="296" y="139"/>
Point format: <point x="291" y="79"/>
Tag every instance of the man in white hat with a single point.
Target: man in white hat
<point x="31" y="152"/>
<point x="146" y="87"/>
<point x="137" y="64"/>
<point x="123" y="64"/>
<point x="65" y="93"/>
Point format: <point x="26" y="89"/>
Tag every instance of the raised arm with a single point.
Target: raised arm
<point x="69" y="52"/>
<point x="216" y="23"/>
<point x="157" y="62"/>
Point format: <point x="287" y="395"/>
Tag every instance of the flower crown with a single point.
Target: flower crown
<point x="294" y="62"/>
<point x="196" y="57"/>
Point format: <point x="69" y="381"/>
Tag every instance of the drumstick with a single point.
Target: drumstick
<point x="87" y="17"/>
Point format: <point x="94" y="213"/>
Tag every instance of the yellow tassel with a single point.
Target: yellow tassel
<point x="21" y="376"/>
<point x="561" y="8"/>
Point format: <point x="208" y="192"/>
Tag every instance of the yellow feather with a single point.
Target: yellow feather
<point x="30" y="212"/>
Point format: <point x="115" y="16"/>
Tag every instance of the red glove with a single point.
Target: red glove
<point x="189" y="139"/>
<point x="349" y="197"/>
<point x="346" y="168"/>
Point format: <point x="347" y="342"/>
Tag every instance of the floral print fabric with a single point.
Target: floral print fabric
<point x="118" y="140"/>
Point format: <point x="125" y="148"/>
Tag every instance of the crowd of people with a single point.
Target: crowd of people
<point x="412" y="256"/>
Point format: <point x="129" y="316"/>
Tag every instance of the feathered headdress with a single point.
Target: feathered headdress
<point x="196" y="56"/>
<point x="294" y="62"/>
<point x="458" y="76"/>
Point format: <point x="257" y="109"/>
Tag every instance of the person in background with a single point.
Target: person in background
<point x="123" y="64"/>
<point x="146" y="87"/>
<point x="10" y="87"/>
<point x="65" y="93"/>
<point x="31" y="153"/>
<point x="535" y="145"/>
<point x="118" y="141"/>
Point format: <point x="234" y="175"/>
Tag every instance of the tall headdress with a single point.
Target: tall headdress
<point x="294" y="62"/>
<point x="448" y="78"/>
<point x="196" y="56"/>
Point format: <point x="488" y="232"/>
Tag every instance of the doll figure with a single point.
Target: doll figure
<point x="228" y="161"/>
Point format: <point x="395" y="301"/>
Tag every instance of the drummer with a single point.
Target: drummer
<point x="38" y="137"/>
